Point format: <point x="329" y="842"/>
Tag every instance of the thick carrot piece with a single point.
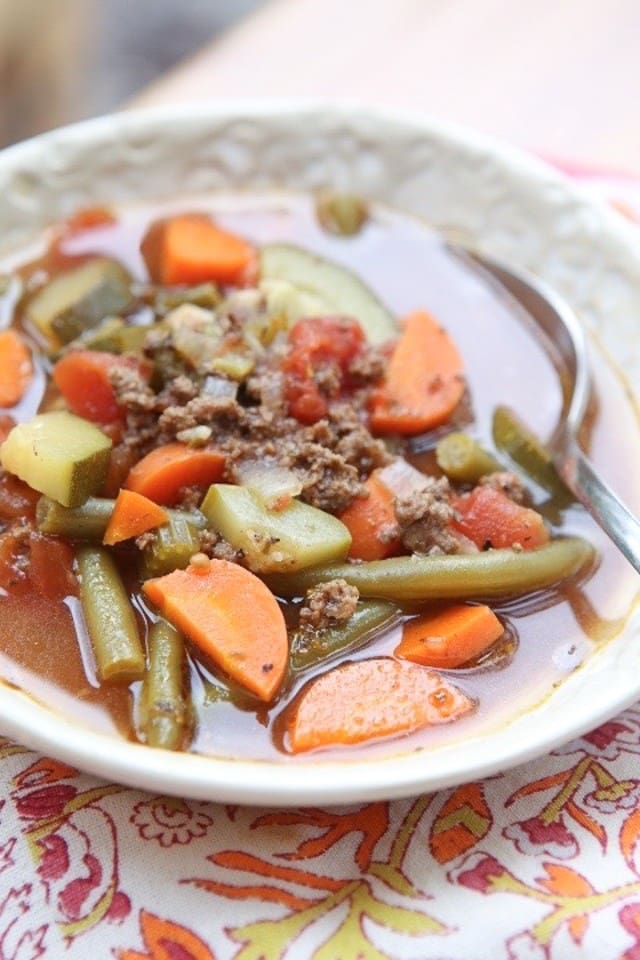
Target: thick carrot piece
<point x="371" y="521"/>
<point x="192" y="249"/>
<point x="132" y="515"/>
<point x="163" y="473"/>
<point x="16" y="368"/>
<point x="491" y="519"/>
<point x="369" y="699"/>
<point x="450" y="637"/>
<point x="424" y="381"/>
<point x="83" y="379"/>
<point x="231" y="617"/>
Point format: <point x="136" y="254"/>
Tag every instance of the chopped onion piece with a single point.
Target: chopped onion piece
<point x="402" y="479"/>
<point x="275" y="485"/>
<point x="220" y="387"/>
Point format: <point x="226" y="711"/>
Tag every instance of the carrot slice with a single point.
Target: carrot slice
<point x="491" y="519"/>
<point x="132" y="515"/>
<point x="424" y="381"/>
<point x="370" y="521"/>
<point x="368" y="699"/>
<point x="16" y="368"/>
<point x="192" y="249"/>
<point x="163" y="473"/>
<point x="450" y="637"/>
<point x="232" y="617"/>
<point x="82" y="377"/>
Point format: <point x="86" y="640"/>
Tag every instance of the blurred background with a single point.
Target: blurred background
<point x="560" y="77"/>
<point x="64" y="60"/>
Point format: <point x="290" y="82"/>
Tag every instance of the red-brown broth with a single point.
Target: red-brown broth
<point x="406" y="264"/>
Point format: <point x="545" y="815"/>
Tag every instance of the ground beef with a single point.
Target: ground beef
<point x="328" y="379"/>
<point x="328" y="481"/>
<point x="327" y="604"/>
<point x="131" y="391"/>
<point x="424" y="518"/>
<point x="345" y="434"/>
<point x="203" y="409"/>
<point x="213" y="545"/>
<point x="509" y="484"/>
<point x="178" y="391"/>
<point x="367" y="368"/>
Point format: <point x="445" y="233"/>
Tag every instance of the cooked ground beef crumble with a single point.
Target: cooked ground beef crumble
<point x="328" y="604"/>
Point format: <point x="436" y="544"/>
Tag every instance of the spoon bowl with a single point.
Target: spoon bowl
<point x="556" y="322"/>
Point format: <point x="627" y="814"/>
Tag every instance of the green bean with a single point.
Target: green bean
<point x="90" y="521"/>
<point x="463" y="459"/>
<point x="494" y="573"/>
<point x="525" y="449"/>
<point x="110" y="617"/>
<point x="309" y="647"/>
<point x="165" y="709"/>
<point x="171" y="549"/>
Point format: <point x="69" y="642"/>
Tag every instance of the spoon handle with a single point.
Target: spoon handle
<point x="614" y="517"/>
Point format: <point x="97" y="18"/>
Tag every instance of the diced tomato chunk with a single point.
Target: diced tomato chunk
<point x="316" y="343"/>
<point x="490" y="519"/>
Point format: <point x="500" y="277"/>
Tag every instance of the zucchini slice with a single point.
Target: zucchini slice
<point x="274" y="540"/>
<point x="58" y="454"/>
<point x="334" y="288"/>
<point x="78" y="299"/>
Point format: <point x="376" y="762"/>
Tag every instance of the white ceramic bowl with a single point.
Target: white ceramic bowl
<point x="504" y="201"/>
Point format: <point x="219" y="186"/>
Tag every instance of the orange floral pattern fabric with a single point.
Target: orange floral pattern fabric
<point x="539" y="863"/>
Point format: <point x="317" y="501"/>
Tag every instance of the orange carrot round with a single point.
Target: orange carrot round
<point x="132" y="515"/>
<point x="369" y="699"/>
<point x="16" y="368"/>
<point x="424" y="381"/>
<point x="371" y="521"/>
<point x="450" y="637"/>
<point x="491" y="519"/>
<point x="163" y="473"/>
<point x="231" y="617"/>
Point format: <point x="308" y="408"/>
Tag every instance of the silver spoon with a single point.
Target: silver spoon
<point x="561" y="326"/>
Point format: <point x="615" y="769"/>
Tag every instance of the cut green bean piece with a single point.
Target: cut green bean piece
<point x="525" y="449"/>
<point x="171" y="548"/>
<point x="494" y="573"/>
<point x="463" y="460"/>
<point x="90" y="521"/>
<point x="165" y="709"/>
<point x="309" y="647"/>
<point x="110" y="617"/>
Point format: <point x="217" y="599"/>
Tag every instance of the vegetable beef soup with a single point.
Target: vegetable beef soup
<point x="271" y="483"/>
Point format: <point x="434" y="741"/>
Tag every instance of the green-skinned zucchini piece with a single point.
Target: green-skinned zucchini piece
<point x="58" y="454"/>
<point x="273" y="541"/>
<point x="78" y="299"/>
<point x="334" y="288"/>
